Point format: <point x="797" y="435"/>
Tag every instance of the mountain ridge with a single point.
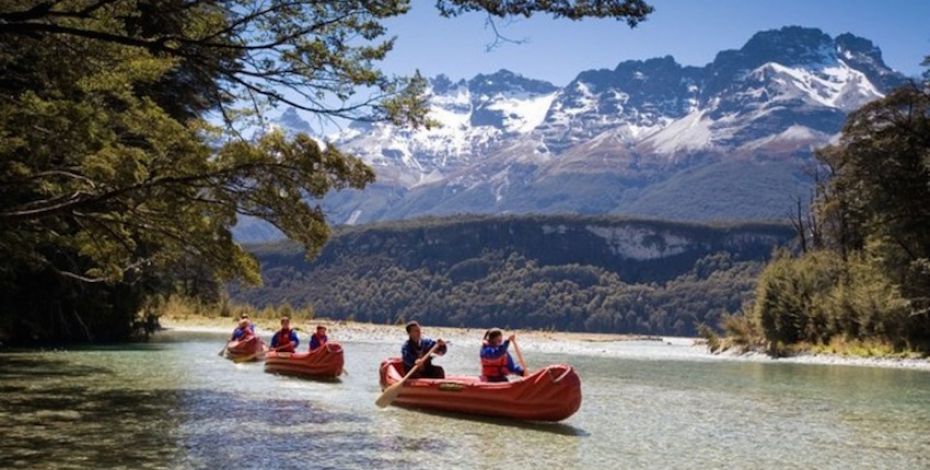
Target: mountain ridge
<point x="610" y="137"/>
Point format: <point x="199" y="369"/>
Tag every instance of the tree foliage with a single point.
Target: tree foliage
<point x="633" y="11"/>
<point x="132" y="138"/>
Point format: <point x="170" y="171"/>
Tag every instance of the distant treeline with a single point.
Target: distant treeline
<point x="548" y="272"/>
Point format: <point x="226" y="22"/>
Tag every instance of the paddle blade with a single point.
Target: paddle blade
<point x="389" y="395"/>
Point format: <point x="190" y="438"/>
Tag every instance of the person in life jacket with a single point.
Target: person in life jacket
<point x="245" y="316"/>
<point x="242" y="331"/>
<point x="415" y="349"/>
<point x="496" y="362"/>
<point x="319" y="338"/>
<point x="285" y="340"/>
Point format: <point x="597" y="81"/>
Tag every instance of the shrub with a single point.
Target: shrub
<point x="713" y="340"/>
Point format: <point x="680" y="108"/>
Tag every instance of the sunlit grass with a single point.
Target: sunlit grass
<point x="178" y="308"/>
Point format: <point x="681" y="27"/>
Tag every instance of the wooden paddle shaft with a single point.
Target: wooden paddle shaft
<point x="416" y="366"/>
<point x="516" y="349"/>
<point x="390" y="393"/>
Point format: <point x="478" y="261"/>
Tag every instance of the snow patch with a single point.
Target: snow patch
<point x="522" y="114"/>
<point x="794" y="135"/>
<point x="640" y="244"/>
<point x="835" y="85"/>
<point x="691" y="132"/>
<point x="559" y="229"/>
<point x="353" y="218"/>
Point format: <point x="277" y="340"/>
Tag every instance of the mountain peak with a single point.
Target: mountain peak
<point x="861" y="54"/>
<point x="441" y="83"/>
<point x="506" y="81"/>
<point x="791" y="45"/>
<point x="293" y="122"/>
<point x="852" y="44"/>
<point x="654" y="63"/>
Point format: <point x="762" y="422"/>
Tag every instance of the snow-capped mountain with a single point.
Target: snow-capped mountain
<point x="477" y="117"/>
<point x="728" y="140"/>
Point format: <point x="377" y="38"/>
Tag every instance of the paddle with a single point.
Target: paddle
<point x="516" y="349"/>
<point x="279" y="348"/>
<point x="390" y="394"/>
<point x="225" y="347"/>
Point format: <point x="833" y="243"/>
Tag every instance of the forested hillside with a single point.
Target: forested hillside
<point x="562" y="272"/>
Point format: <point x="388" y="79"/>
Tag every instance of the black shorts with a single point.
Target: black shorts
<point x="429" y="371"/>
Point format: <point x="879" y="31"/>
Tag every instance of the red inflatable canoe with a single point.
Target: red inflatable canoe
<point x="249" y="349"/>
<point x="324" y="362"/>
<point x="550" y="394"/>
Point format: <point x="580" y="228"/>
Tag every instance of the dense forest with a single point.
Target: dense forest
<point x="562" y="272"/>
<point x="861" y="281"/>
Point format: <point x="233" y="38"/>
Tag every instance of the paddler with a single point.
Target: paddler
<point x="243" y="331"/>
<point x="496" y="362"/>
<point x="319" y="338"/>
<point x="285" y="340"/>
<point x="245" y="316"/>
<point x="415" y="351"/>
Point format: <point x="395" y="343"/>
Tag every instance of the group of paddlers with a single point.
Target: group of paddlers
<point x="284" y="340"/>
<point x="496" y="361"/>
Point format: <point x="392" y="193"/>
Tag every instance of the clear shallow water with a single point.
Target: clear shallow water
<point x="175" y="403"/>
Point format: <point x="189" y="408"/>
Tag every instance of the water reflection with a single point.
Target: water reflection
<point x="14" y="367"/>
<point x="45" y="422"/>
<point x="561" y="429"/>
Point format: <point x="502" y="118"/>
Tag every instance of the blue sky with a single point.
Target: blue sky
<point x="691" y="31"/>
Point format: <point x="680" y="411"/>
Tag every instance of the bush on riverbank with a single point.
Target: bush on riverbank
<point x="819" y="303"/>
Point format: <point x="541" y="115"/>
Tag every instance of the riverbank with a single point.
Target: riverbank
<point x="369" y="332"/>
<point x="589" y="344"/>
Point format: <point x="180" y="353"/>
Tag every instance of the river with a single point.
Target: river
<point x="173" y="403"/>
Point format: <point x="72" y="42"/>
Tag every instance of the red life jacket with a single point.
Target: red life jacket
<point x="496" y="367"/>
<point x="284" y="337"/>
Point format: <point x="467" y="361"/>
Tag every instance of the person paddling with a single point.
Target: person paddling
<point x="415" y="351"/>
<point x="496" y="362"/>
<point x="285" y="340"/>
<point x="245" y="316"/>
<point x="319" y="338"/>
<point x="242" y="331"/>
